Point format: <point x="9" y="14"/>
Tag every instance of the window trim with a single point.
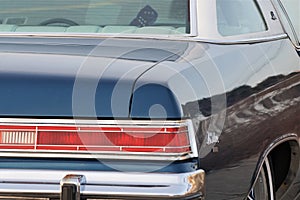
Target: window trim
<point x="274" y="29"/>
<point x="193" y="18"/>
<point x="292" y="33"/>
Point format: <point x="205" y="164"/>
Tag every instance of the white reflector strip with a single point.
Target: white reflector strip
<point x="17" y="137"/>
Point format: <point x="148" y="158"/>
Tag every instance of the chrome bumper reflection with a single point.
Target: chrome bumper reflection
<point x="101" y="185"/>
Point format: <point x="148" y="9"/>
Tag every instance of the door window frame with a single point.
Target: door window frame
<point x="287" y="23"/>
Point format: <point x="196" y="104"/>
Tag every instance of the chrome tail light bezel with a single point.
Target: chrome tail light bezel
<point x="34" y="153"/>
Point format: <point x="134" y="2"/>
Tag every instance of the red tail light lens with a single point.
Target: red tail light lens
<point x="102" y="138"/>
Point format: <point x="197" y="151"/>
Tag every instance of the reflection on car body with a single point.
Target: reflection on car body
<point x="149" y="99"/>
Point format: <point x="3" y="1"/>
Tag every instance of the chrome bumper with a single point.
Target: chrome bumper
<point x="76" y="185"/>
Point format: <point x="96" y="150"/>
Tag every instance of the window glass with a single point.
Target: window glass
<point x="95" y="16"/>
<point x="237" y="17"/>
<point x="292" y="8"/>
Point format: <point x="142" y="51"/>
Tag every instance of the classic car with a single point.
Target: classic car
<point x="150" y="99"/>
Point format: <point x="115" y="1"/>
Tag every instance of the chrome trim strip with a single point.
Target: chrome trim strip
<point x="84" y="122"/>
<point x="43" y="183"/>
<point x="291" y="26"/>
<point x="221" y="41"/>
<point x="104" y="155"/>
<point x="193" y="18"/>
<point x="192" y="137"/>
<point x="246" y="41"/>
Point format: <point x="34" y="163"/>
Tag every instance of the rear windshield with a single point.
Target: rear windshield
<point x="95" y="16"/>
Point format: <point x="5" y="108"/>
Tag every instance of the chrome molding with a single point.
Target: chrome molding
<point x="84" y="122"/>
<point x="46" y="183"/>
<point x="224" y="40"/>
<point x="293" y="34"/>
<point x="245" y="40"/>
<point x="193" y="18"/>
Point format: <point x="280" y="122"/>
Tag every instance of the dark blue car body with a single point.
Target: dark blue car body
<point x="242" y="99"/>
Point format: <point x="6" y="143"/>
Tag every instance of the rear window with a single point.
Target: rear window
<point x="237" y="17"/>
<point x="95" y="16"/>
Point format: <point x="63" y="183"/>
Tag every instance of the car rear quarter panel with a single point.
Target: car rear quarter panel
<point x="242" y="100"/>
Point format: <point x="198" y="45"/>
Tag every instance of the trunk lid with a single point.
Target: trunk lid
<point x="65" y="77"/>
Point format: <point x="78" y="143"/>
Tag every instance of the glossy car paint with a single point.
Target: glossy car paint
<point x="259" y="105"/>
<point x="89" y="68"/>
<point x="241" y="98"/>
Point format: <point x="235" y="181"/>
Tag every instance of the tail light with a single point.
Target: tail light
<point x="163" y="138"/>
